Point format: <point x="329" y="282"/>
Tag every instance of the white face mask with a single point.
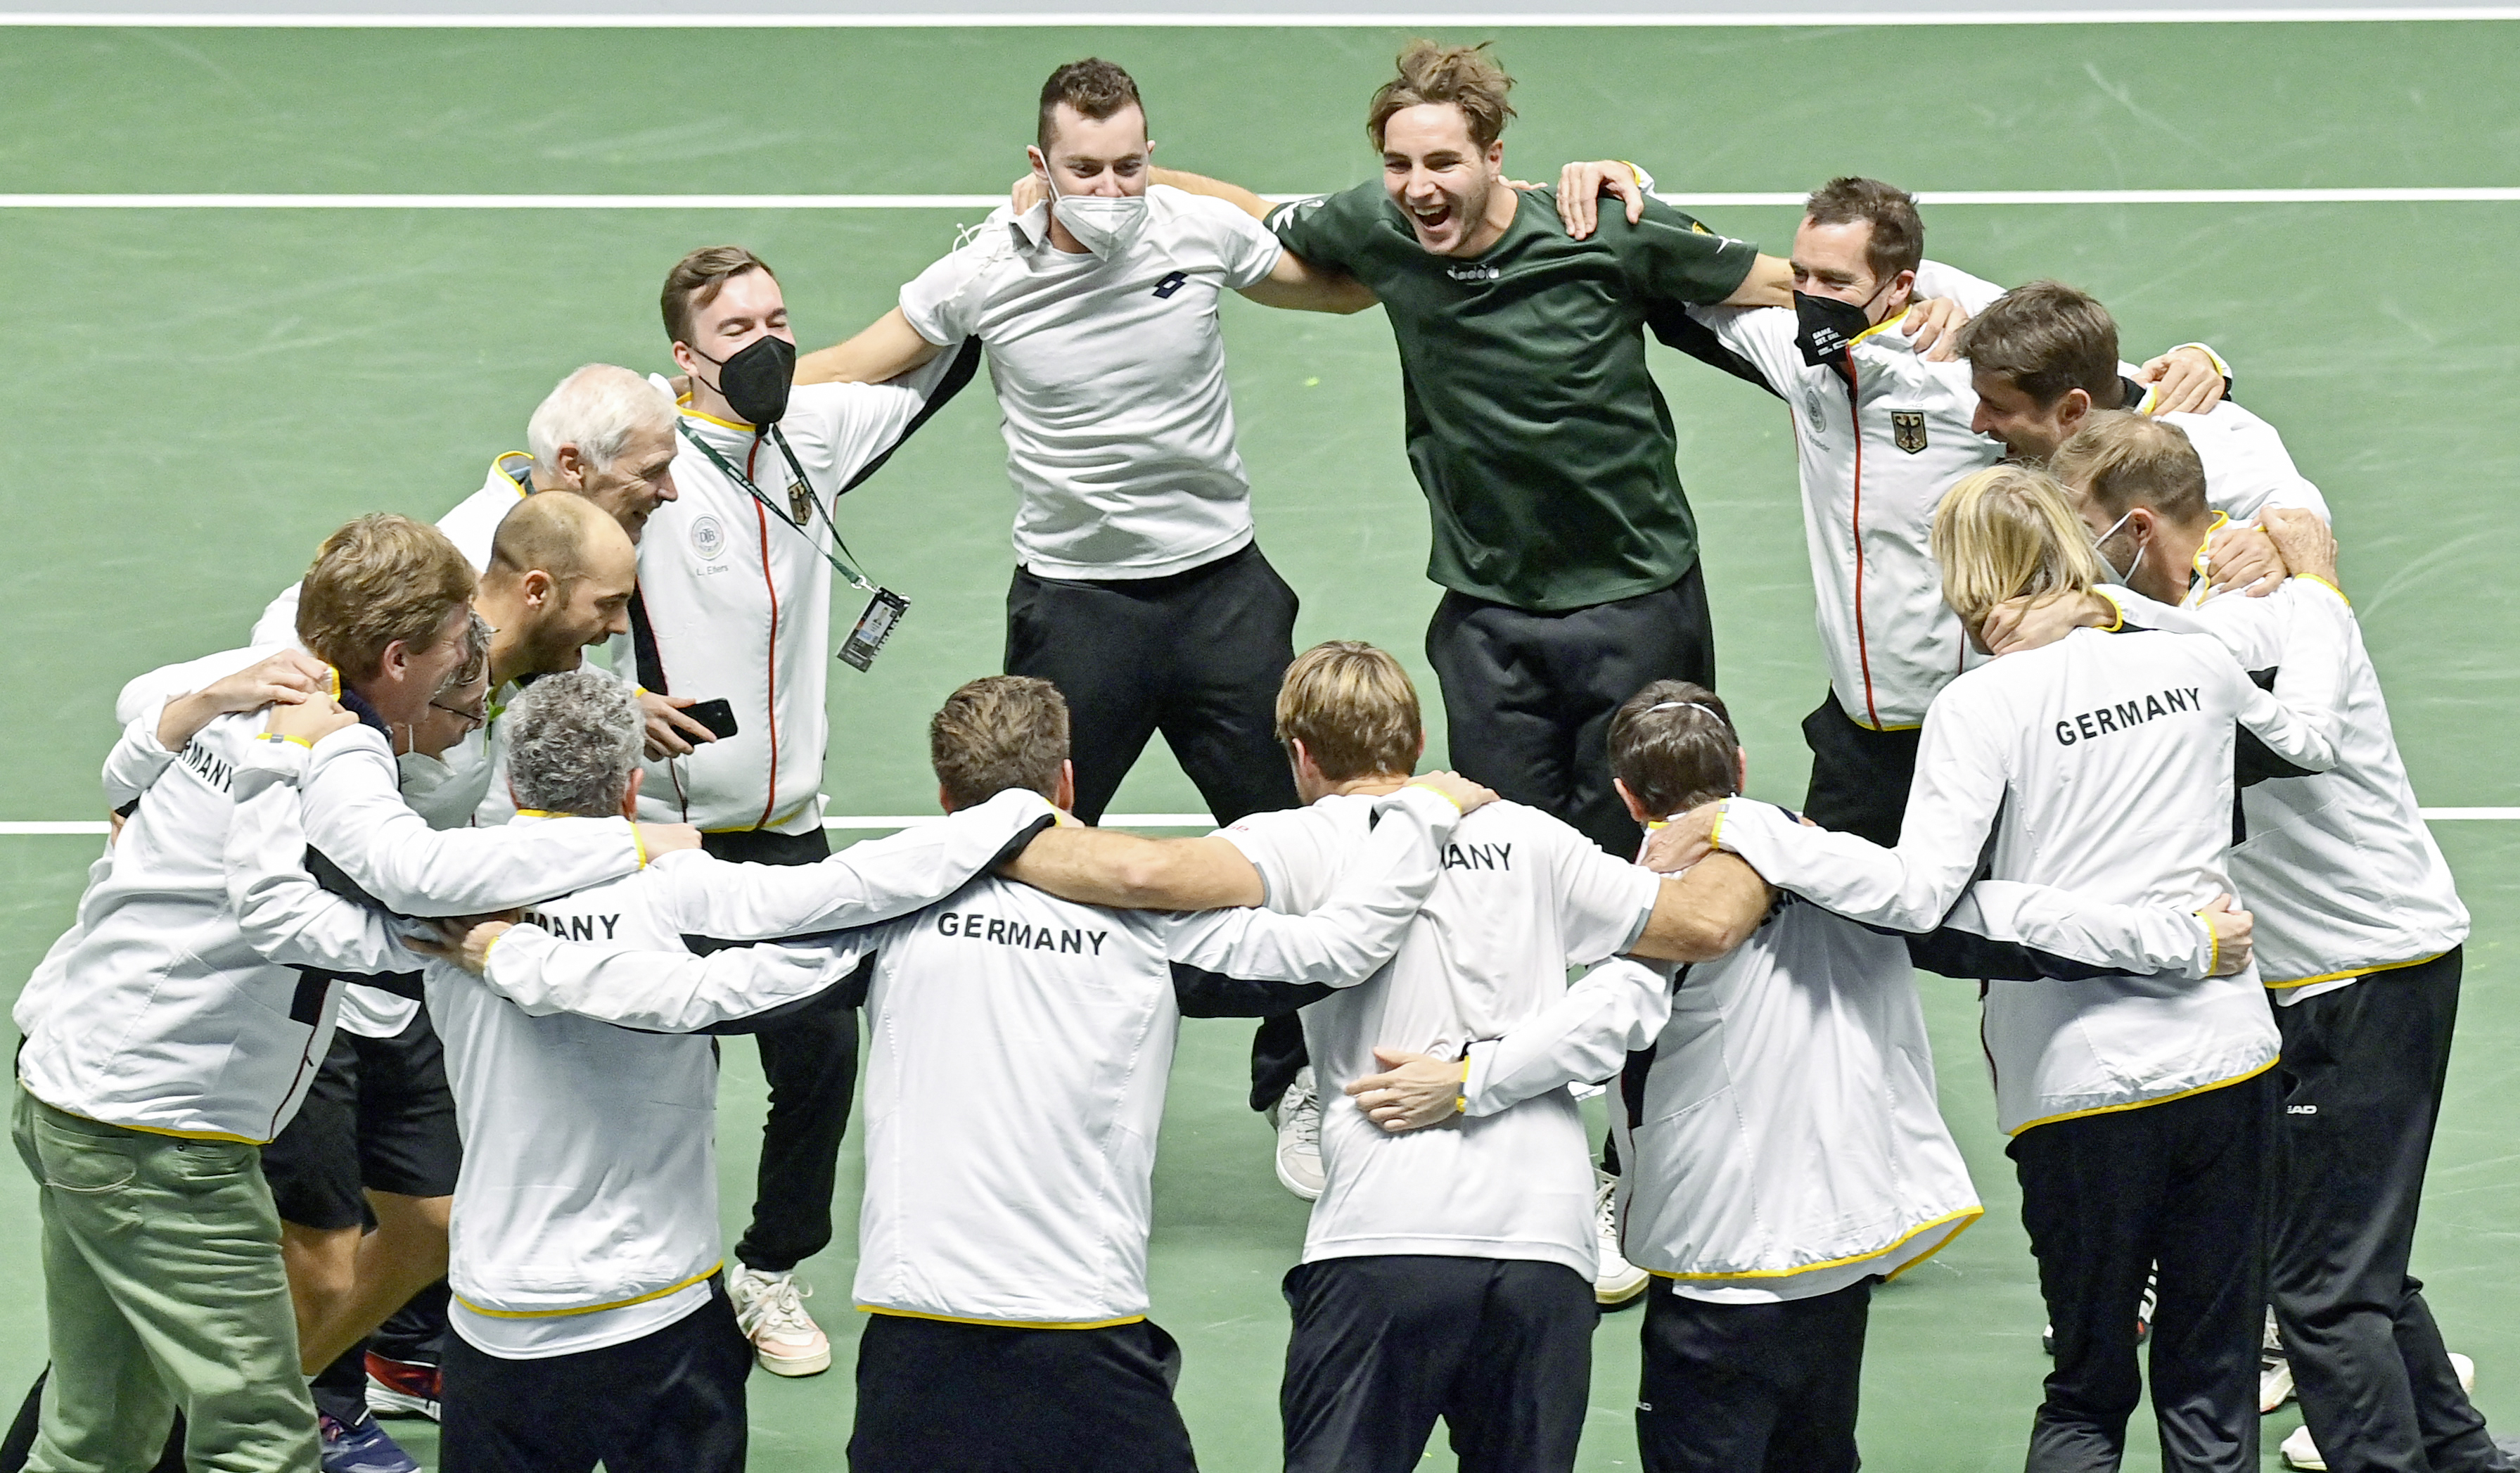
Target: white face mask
<point x="2124" y="579"/>
<point x="419" y="776"/>
<point x="1103" y="225"/>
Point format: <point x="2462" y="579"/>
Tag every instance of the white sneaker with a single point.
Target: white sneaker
<point x="1298" y="1119"/>
<point x="770" y="1310"/>
<point x="2274" y="1369"/>
<point x="1615" y="1281"/>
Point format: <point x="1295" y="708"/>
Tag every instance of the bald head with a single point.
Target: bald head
<point x="560" y="575"/>
<point x="557" y="534"/>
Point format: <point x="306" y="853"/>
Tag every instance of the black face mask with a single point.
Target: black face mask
<point x="1825" y="327"/>
<point x="755" y="380"/>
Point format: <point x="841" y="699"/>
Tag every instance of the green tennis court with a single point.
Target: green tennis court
<point x="205" y="392"/>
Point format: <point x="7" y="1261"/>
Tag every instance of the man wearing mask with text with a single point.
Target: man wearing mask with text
<point x="735" y="604"/>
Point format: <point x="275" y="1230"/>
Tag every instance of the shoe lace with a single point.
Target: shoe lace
<point x="779" y="1307"/>
<point x="1304" y="1122"/>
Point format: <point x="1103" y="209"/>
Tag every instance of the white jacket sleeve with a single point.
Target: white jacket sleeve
<point x="2139" y="940"/>
<point x="1974" y="294"/>
<point x="281" y="912"/>
<point x="2303" y="719"/>
<point x="1960" y="785"/>
<point x="356" y="818"/>
<point x="137" y="760"/>
<point x="861" y="885"/>
<point x="1583" y="1037"/>
<point x="662" y="992"/>
<point x="1360" y="925"/>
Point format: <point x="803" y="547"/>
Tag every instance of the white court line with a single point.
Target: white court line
<point x="887" y="822"/>
<point x="2420" y="195"/>
<point x="1384" y="20"/>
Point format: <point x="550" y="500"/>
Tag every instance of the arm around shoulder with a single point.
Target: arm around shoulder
<point x="888" y="347"/>
<point x="1705" y="912"/>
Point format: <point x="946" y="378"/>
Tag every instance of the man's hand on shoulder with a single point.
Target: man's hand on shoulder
<point x="657" y="840"/>
<point x="310" y="719"/>
<point x="2026" y="623"/>
<point x="2184" y="381"/>
<point x="1934" y="327"/>
<point x="1683" y="842"/>
<point x="464" y="941"/>
<point x="1463" y="793"/>
<point x="2306" y="544"/>
<point x="283" y="680"/>
<point x="1580" y="186"/>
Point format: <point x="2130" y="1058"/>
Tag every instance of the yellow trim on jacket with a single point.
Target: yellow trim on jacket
<point x="2386" y="966"/>
<point x="619" y="1304"/>
<point x="1963" y="1216"/>
<point x="1005" y="1324"/>
<point x="2161" y="1099"/>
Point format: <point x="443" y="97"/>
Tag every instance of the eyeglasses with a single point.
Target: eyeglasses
<point x="476" y="717"/>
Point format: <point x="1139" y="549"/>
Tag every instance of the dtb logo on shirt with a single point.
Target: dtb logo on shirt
<point x="1173" y="281"/>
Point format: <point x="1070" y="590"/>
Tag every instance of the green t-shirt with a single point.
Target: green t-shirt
<point x="1539" y="437"/>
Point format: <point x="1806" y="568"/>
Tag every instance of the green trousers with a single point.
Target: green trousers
<point x="164" y="1291"/>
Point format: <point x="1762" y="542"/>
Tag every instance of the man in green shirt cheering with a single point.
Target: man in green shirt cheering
<point x="1561" y="536"/>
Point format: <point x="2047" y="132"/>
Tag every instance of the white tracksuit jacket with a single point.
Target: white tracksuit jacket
<point x="1875" y="456"/>
<point x="1018" y="1047"/>
<point x="1780" y="1132"/>
<point x="2340" y="868"/>
<point x="168" y="1016"/>
<point x="2101" y="764"/>
<point x="737" y="597"/>
<point x="590" y="1179"/>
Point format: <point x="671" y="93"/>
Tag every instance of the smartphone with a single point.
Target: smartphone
<point x="717" y="715"/>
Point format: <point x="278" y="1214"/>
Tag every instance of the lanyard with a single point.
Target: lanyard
<point x="804" y="493"/>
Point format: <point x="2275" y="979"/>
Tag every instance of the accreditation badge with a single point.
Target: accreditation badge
<point x="875" y="626"/>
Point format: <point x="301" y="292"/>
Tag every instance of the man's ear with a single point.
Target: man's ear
<point x="1635" y="810"/>
<point x="1496" y="157"/>
<point x="1039" y="160"/>
<point x="1741" y="769"/>
<point x="2073" y="409"/>
<point x="567" y="467"/>
<point x="534" y="587"/>
<point x="630" y="792"/>
<point x="1064" y="799"/>
<point x="944" y="799"/>
<point x="1902" y="292"/>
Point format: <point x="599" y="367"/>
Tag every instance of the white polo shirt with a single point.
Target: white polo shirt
<point x="1110" y="381"/>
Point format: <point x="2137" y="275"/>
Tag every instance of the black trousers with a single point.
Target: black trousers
<point x="671" y="1401"/>
<point x="1500" y="1349"/>
<point x="1528" y="697"/>
<point x="935" y="1397"/>
<point x="2107" y="1198"/>
<point x="2362" y="1089"/>
<point x="1860" y="778"/>
<point x="811" y="1064"/>
<point x="1766" y="1388"/>
<point x="1196" y="656"/>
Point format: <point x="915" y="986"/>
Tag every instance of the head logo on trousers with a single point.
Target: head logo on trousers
<point x="1173" y="281"/>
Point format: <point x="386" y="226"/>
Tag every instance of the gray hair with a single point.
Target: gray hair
<point x="571" y="741"/>
<point x="596" y="409"/>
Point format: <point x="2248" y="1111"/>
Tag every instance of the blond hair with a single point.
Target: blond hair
<point x="1354" y="708"/>
<point x="1463" y="77"/>
<point x="996" y="733"/>
<point x="379" y="581"/>
<point x="2122" y="461"/>
<point x="2009" y="531"/>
